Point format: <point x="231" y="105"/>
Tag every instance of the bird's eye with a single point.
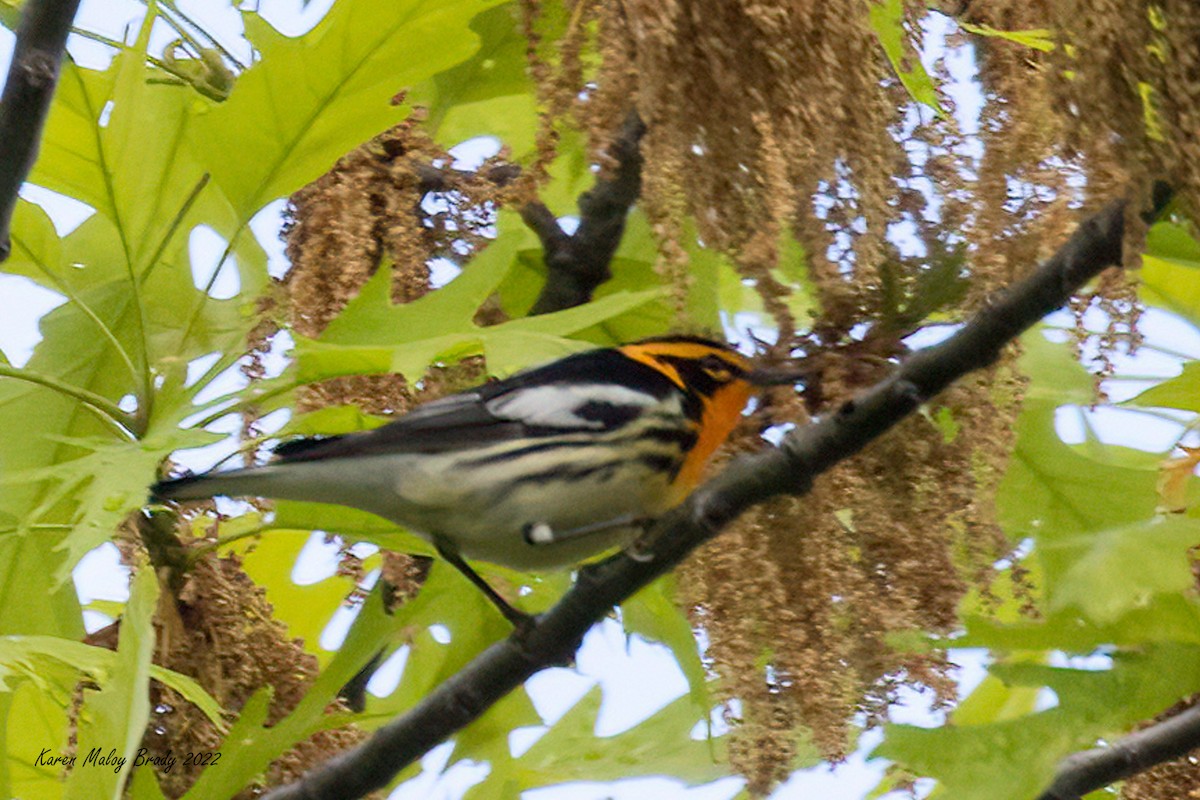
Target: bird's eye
<point x="716" y="369"/>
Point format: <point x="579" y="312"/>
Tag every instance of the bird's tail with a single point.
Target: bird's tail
<point x="254" y="482"/>
<point x="366" y="485"/>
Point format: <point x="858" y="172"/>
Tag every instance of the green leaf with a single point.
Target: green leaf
<point x="1034" y="38"/>
<point x="98" y="485"/>
<point x="250" y="747"/>
<point x="115" y="140"/>
<point x="977" y="762"/>
<point x="1182" y="391"/>
<point x="473" y="623"/>
<point x="29" y="602"/>
<point x="1170" y="242"/>
<point x="887" y="19"/>
<point x="1139" y="685"/>
<point x="54" y="665"/>
<point x="1170" y="274"/>
<point x="113" y="720"/>
<point x="661" y="745"/>
<point x="1110" y="572"/>
<point x="35" y="731"/>
<point x="973" y="762"/>
<point x="306" y="610"/>
<point x="309" y="100"/>
<point x="349" y="523"/>
<point x="133" y="316"/>
<point x="994" y="701"/>
<point x="227" y="782"/>
<point x="1166" y="618"/>
<point x="144" y="786"/>
<point x="1050" y="490"/>
<point x="489" y="94"/>
<point x="372" y="335"/>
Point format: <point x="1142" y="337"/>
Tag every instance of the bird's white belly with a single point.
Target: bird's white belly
<point x="432" y="499"/>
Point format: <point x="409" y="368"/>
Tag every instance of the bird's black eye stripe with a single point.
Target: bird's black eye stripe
<point x="695" y="375"/>
<point x="610" y="415"/>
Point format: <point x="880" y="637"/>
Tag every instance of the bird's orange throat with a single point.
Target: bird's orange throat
<point x="722" y="412"/>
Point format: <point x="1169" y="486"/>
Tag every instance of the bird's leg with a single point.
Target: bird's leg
<point x="540" y="533"/>
<point x="519" y="619"/>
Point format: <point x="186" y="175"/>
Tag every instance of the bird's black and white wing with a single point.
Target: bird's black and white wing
<point x="547" y="401"/>
<point x="574" y="395"/>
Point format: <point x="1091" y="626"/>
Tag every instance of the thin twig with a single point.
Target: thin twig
<point x="788" y="469"/>
<point x="32" y="75"/>
<point x="1090" y="770"/>
<point x="578" y="263"/>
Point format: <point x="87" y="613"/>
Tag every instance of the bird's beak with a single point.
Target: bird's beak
<point x="774" y="376"/>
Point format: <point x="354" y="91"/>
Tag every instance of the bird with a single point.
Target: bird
<point x="538" y="471"/>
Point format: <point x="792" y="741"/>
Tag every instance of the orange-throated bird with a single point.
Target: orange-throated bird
<point x="538" y="471"/>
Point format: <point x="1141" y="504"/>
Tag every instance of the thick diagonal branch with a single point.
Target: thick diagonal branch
<point x="787" y="469"/>
<point x="32" y="75"/>
<point x="1090" y="770"/>
<point x="577" y="263"/>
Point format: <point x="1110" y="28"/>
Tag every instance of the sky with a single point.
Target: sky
<point x="637" y="677"/>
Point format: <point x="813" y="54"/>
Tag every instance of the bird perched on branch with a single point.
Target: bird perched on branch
<point x="538" y="471"/>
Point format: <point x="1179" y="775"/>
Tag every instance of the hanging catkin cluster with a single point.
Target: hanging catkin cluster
<point x="365" y="213"/>
<point x="743" y="133"/>
<point x="776" y="119"/>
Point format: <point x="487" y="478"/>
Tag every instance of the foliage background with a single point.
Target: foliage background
<point x="1088" y="614"/>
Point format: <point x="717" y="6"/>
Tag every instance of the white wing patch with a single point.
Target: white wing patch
<point x="558" y="405"/>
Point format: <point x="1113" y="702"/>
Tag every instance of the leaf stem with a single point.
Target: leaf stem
<point x="183" y="77"/>
<point x="244" y="403"/>
<point x="199" y="551"/>
<point x="109" y="410"/>
<point x="169" y="4"/>
<point x="70" y="294"/>
<point x="174" y="226"/>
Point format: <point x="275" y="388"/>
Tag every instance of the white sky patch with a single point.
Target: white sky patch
<point x="471" y="154"/>
<point x="66" y="213"/>
<point x="1126" y="427"/>
<point x="219" y="279"/>
<point x="198" y="366"/>
<point x="293" y="17"/>
<point x="317" y="561"/>
<point x="100" y="575"/>
<point x="223" y="21"/>
<point x="266" y="225"/>
<point x="555" y="691"/>
<point x="25" y="303"/>
<point x="387" y="678"/>
<point x="1046" y="699"/>
<point x="442" y="271"/>
<point x="334" y="632"/>
<point x="619" y="663"/>
<point x="930" y="335"/>
<point x="853" y="778"/>
<point x="201" y="459"/>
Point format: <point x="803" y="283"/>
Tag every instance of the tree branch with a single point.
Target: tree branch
<point x="577" y="263"/>
<point x="787" y="469"/>
<point x="1090" y="770"/>
<point x="41" y="41"/>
